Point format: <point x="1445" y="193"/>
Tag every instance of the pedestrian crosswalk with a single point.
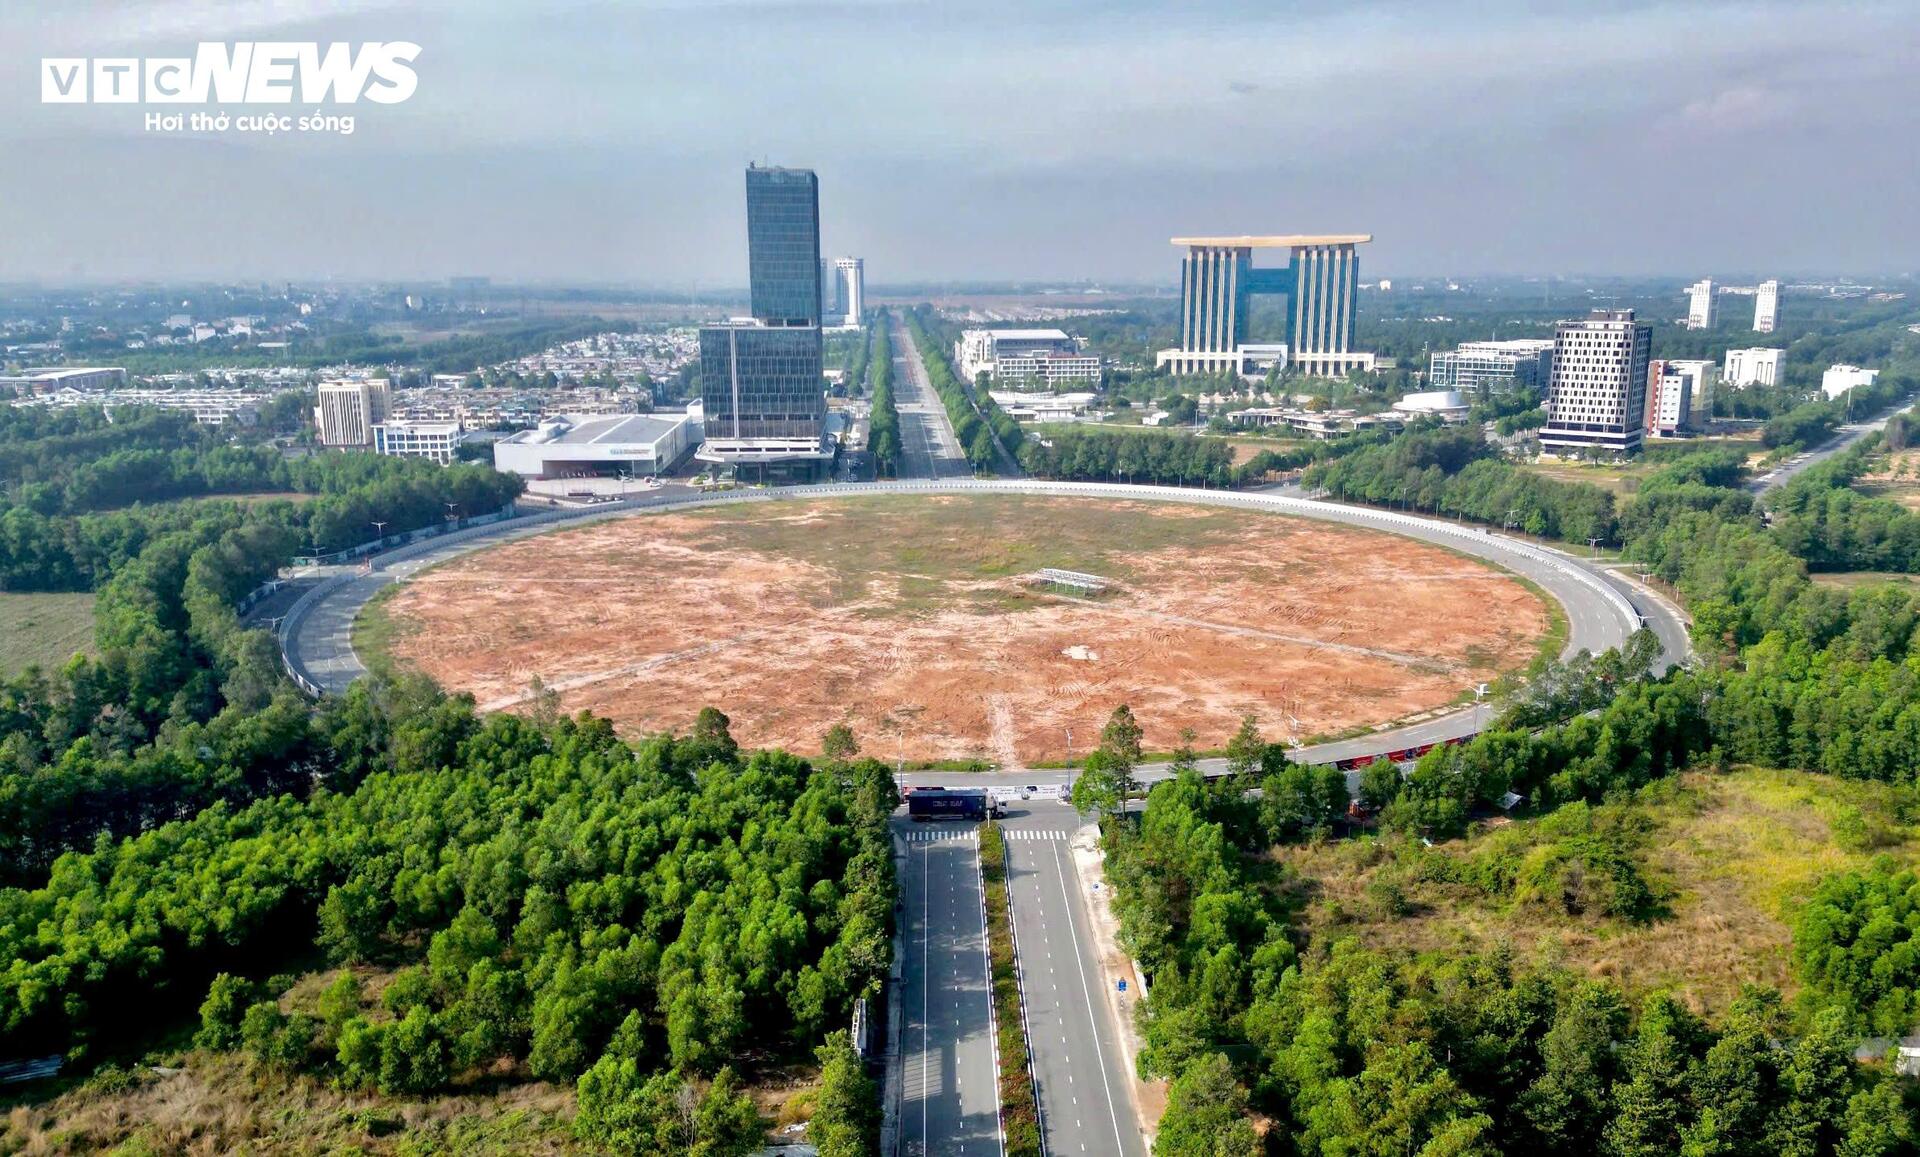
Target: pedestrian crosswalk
<point x="972" y="835"/>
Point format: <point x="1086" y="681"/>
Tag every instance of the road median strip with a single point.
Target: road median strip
<point x="1019" y="1107"/>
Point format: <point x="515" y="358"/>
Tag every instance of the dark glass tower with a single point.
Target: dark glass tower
<point x="760" y="379"/>
<point x="783" y="245"/>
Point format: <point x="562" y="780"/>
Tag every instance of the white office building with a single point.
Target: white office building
<point x="1751" y="367"/>
<point x="1702" y="377"/>
<point x="1049" y="356"/>
<point x="1669" y="399"/>
<point x="1700" y="304"/>
<point x="1597" y="397"/>
<point x="439" y="441"/>
<point x="843" y="294"/>
<point x="1488" y="367"/>
<point x="1766" y="306"/>
<point x="350" y="408"/>
<point x="1839" y="379"/>
<point x="577" y="446"/>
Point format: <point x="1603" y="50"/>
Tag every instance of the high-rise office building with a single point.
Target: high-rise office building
<point x="849" y="290"/>
<point x="783" y="246"/>
<point x="830" y="303"/>
<point x="1766" y="306"/>
<point x="1218" y="281"/>
<point x="1700" y="304"/>
<point x="1597" y="397"/>
<point x="349" y="409"/>
<point x="761" y="388"/>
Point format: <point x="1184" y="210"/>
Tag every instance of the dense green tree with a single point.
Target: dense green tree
<point x="1207" y="1114"/>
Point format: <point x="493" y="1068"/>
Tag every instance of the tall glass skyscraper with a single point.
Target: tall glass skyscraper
<point x="761" y="385"/>
<point x="783" y="245"/>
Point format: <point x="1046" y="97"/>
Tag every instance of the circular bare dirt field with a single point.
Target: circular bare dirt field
<point x="922" y="623"/>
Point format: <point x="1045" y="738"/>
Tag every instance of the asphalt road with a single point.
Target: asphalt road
<point x="1080" y="1072"/>
<point x="950" y="1092"/>
<point x="1843" y="437"/>
<point x="929" y="449"/>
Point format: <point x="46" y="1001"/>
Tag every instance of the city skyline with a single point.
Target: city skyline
<point x="535" y="149"/>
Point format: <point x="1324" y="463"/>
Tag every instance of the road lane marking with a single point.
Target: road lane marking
<point x="1093" y="1021"/>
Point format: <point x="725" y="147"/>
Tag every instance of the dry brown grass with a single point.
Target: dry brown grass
<point x="1736" y="855"/>
<point x="219" y="1104"/>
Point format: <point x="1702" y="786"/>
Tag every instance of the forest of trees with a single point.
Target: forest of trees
<point x="92" y="490"/>
<point x="1163" y="457"/>
<point x="180" y="830"/>
<point x="1349" y="1050"/>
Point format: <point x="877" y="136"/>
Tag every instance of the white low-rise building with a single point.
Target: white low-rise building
<point x="439" y="441"/>
<point x="578" y="446"/>
<point x="1445" y="404"/>
<point x="1014" y="355"/>
<point x="1751" y="367"/>
<point x="1041" y="406"/>
<point x="1839" y="379"/>
<point x="52" y="379"/>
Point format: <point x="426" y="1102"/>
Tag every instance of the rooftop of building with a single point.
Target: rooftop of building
<point x="1516" y="345"/>
<point x="1026" y="334"/>
<point x="1281" y="241"/>
<point x="583" y="431"/>
<point x="58" y="372"/>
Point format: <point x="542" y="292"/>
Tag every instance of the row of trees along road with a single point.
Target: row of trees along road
<point x="883" y="431"/>
<point x="977" y="421"/>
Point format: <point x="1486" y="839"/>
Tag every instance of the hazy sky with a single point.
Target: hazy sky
<point x="996" y="139"/>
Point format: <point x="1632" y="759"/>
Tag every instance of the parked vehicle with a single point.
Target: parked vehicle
<point x="963" y="803"/>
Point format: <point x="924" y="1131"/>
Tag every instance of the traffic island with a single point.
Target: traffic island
<point x="1019" y="1110"/>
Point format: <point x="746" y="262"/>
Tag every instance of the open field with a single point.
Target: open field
<point x="43" y="628"/>
<point x="1847" y="579"/>
<point x="1620" y="479"/>
<point x="917" y="622"/>
<point x="1896" y="476"/>
<point x="1730" y="858"/>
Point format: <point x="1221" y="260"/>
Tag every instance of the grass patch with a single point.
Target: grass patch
<point x="376" y="629"/>
<point x="1848" y="579"/>
<point x="964" y="539"/>
<point x="201" y="1102"/>
<point x="1725" y="860"/>
<point x="43" y="629"/>
<point x="1619" y="478"/>
<point x="1019" y="1108"/>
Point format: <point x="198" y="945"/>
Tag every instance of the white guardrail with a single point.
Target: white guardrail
<point x="1476" y="540"/>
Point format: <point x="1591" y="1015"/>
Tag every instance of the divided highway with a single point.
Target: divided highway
<point x="1080" y="1072"/>
<point x="949" y="1092"/>
<point x="929" y="449"/>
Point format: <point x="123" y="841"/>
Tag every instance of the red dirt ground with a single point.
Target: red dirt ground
<point x="916" y="621"/>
